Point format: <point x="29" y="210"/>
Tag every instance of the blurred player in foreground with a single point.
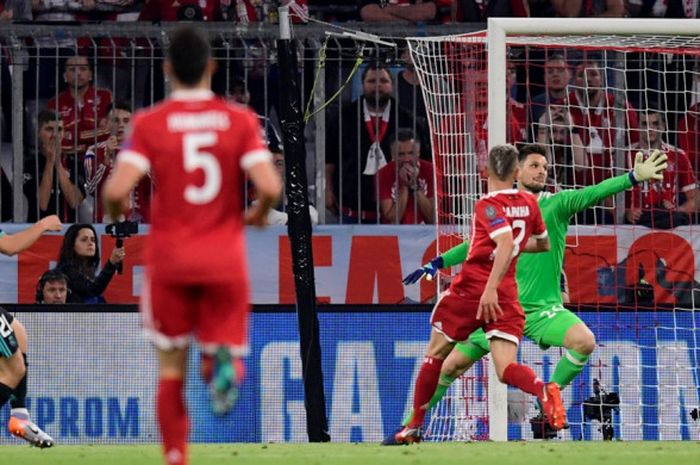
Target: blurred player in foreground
<point x="484" y="295"/>
<point x="198" y="147"/>
<point x="13" y="344"/>
<point x="540" y="280"/>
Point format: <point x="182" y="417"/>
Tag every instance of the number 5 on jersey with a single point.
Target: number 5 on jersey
<point x="196" y="157"/>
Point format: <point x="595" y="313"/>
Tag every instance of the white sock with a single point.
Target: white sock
<point x="20" y="412"/>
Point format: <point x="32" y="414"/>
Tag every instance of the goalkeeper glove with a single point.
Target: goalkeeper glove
<point x="650" y="169"/>
<point x="429" y="270"/>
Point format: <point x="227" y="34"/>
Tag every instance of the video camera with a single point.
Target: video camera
<point x="600" y="407"/>
<point x="120" y="231"/>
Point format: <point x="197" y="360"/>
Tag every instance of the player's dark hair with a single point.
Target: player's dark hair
<point x="67" y="255"/>
<point x="46" y="116"/>
<point x="189" y="53"/>
<point x="50" y="276"/>
<point x="528" y="149"/>
<point x="503" y="161"/>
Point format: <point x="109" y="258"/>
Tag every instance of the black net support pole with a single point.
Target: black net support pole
<point x="299" y="230"/>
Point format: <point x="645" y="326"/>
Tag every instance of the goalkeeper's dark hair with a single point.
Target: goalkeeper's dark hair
<point x="189" y="53"/>
<point x="503" y="161"/>
<point x="528" y="149"/>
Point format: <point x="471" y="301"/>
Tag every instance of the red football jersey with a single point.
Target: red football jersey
<point x="499" y="212"/>
<point x="196" y="147"/>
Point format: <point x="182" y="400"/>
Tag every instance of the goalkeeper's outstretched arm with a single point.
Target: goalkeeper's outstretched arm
<point x="644" y="170"/>
<point x="453" y="256"/>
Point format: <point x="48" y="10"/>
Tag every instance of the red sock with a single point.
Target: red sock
<point x="425" y="388"/>
<point x="523" y="378"/>
<point x="173" y="421"/>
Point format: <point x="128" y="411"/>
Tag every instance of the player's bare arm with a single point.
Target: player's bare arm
<point x="268" y="186"/>
<point x="117" y="188"/>
<point x="12" y="244"/>
<point x="489" y="309"/>
<point x="536" y="245"/>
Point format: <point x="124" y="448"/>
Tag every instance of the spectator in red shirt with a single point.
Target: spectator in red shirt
<point x="393" y="11"/>
<point x="81" y="106"/>
<point x="556" y="80"/>
<point x="518" y="113"/>
<point x="589" y="8"/>
<point x="406" y="184"/>
<point x="668" y="203"/>
<point x="689" y="136"/>
<point x="15" y="10"/>
<point x="249" y="11"/>
<point x="99" y="161"/>
<point x="567" y="156"/>
<point x="596" y="115"/>
<point x="478" y="99"/>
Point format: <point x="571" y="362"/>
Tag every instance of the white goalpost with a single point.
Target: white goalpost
<point x="619" y="72"/>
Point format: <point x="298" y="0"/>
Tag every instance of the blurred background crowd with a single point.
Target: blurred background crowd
<point x="370" y="153"/>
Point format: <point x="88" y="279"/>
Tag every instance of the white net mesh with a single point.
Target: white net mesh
<point x="594" y="101"/>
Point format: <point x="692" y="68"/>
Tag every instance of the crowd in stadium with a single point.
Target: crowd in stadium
<point x="79" y="102"/>
<point x="339" y="10"/>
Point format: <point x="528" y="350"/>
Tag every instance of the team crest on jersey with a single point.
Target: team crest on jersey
<point x="490" y="212"/>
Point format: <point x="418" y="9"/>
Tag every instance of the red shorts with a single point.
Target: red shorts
<point x="455" y="317"/>
<point x="216" y="314"/>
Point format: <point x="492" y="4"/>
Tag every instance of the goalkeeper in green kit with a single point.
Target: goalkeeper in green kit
<point x="538" y="275"/>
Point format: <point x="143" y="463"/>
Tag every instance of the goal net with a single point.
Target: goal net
<point x="594" y="100"/>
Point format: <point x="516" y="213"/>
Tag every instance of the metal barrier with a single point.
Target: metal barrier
<point x="122" y="65"/>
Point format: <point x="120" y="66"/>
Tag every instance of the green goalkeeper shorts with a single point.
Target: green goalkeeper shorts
<point x="546" y="327"/>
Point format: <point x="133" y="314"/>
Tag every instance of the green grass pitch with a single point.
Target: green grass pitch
<point x="482" y="453"/>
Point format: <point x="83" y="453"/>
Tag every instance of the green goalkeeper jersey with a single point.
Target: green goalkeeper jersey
<point x="538" y="274"/>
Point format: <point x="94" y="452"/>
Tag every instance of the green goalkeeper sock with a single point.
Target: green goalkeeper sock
<point x="443" y="384"/>
<point x="568" y="368"/>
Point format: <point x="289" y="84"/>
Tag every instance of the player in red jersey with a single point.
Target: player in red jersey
<point x="198" y="147"/>
<point x="485" y="294"/>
